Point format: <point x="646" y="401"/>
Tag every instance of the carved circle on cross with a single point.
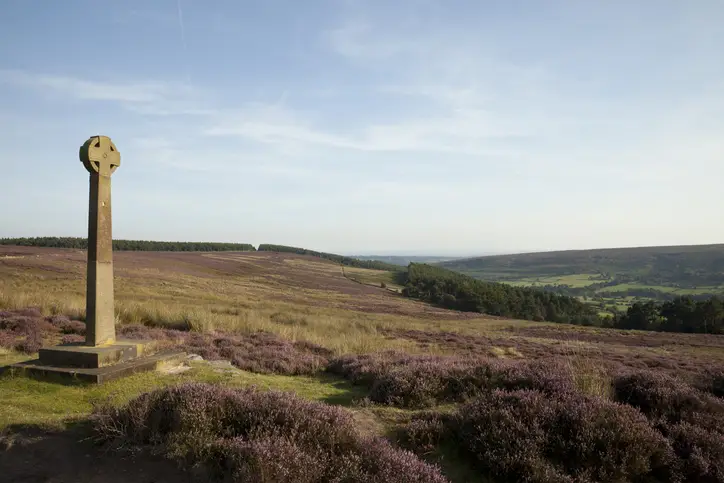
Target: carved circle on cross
<point x="99" y="155"/>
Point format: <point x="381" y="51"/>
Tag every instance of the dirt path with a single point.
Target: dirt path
<point x="31" y="455"/>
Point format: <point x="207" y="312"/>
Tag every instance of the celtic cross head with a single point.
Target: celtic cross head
<point x="99" y="155"/>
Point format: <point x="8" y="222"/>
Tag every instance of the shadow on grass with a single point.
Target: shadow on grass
<point x="11" y="370"/>
<point x="31" y="452"/>
<point x="455" y="467"/>
<point x="346" y="393"/>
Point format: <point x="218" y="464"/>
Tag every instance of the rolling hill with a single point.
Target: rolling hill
<point x="613" y="276"/>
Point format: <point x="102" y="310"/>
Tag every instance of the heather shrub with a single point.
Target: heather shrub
<point x="259" y="436"/>
<point x="666" y="399"/>
<point x="712" y="381"/>
<point x="692" y="420"/>
<point x="550" y="377"/>
<point x="31" y="344"/>
<point x="33" y="312"/>
<point x="67" y="326"/>
<point x="365" y="369"/>
<point x="420" y="381"/>
<point x="27" y="330"/>
<point x="419" y="384"/>
<point x="526" y="435"/>
<point x="275" y="457"/>
<point x="700" y="450"/>
<point x="72" y="339"/>
<point x="261" y="352"/>
<point x="425" y="431"/>
<point x="140" y="332"/>
<point x="599" y="350"/>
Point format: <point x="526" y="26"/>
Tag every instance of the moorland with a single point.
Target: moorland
<point x="310" y="368"/>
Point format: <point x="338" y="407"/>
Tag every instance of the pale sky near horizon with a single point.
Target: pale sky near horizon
<point x="455" y="127"/>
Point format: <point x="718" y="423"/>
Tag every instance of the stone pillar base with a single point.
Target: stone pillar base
<point x="97" y="364"/>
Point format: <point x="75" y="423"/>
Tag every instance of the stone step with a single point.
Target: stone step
<point x="83" y="356"/>
<point x="97" y="375"/>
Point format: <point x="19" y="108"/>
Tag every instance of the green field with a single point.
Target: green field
<point x="576" y="280"/>
<point x="611" y="278"/>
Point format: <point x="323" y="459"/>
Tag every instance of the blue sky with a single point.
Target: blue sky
<point x="415" y="126"/>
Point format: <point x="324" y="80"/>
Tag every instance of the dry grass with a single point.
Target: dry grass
<point x="294" y="297"/>
<point x="303" y="298"/>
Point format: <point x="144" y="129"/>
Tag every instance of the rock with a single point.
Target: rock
<point x="172" y="368"/>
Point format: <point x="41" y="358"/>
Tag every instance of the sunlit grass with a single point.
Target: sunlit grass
<point x="27" y="400"/>
<point x="238" y="304"/>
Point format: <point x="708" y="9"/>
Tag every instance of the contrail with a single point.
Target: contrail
<point x="183" y="39"/>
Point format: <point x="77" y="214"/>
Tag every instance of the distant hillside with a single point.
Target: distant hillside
<point x="129" y="245"/>
<point x="682" y="265"/>
<point x="610" y="277"/>
<point x="405" y="260"/>
<point x="341" y="259"/>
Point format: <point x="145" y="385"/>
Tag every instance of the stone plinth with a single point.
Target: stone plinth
<point x="83" y="356"/>
<point x="95" y="375"/>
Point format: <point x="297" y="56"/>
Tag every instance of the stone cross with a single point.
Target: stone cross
<point x="101" y="158"/>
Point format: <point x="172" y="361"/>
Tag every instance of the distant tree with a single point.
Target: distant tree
<point x="460" y="292"/>
<point x="128" y="245"/>
<point x="641" y="316"/>
<point x="679" y="315"/>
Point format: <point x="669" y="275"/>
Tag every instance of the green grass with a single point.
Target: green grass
<point x="573" y="281"/>
<point x="49" y="403"/>
<point x="698" y="290"/>
<point x="8" y="357"/>
<point x="633" y="286"/>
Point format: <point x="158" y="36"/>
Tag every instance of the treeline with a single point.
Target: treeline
<point x="683" y="314"/>
<point x="130" y="245"/>
<point x="348" y="261"/>
<point x="163" y="246"/>
<point x="453" y="290"/>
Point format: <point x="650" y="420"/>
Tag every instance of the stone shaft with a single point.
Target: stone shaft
<point x="100" y="318"/>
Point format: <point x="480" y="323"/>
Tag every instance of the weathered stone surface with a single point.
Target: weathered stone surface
<point x="101" y="158"/>
<point x="78" y="355"/>
<point x="95" y="375"/>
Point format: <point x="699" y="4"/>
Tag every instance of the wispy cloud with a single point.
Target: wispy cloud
<point x="528" y="107"/>
<point x="88" y="90"/>
<point x="442" y="93"/>
<point x="147" y="97"/>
